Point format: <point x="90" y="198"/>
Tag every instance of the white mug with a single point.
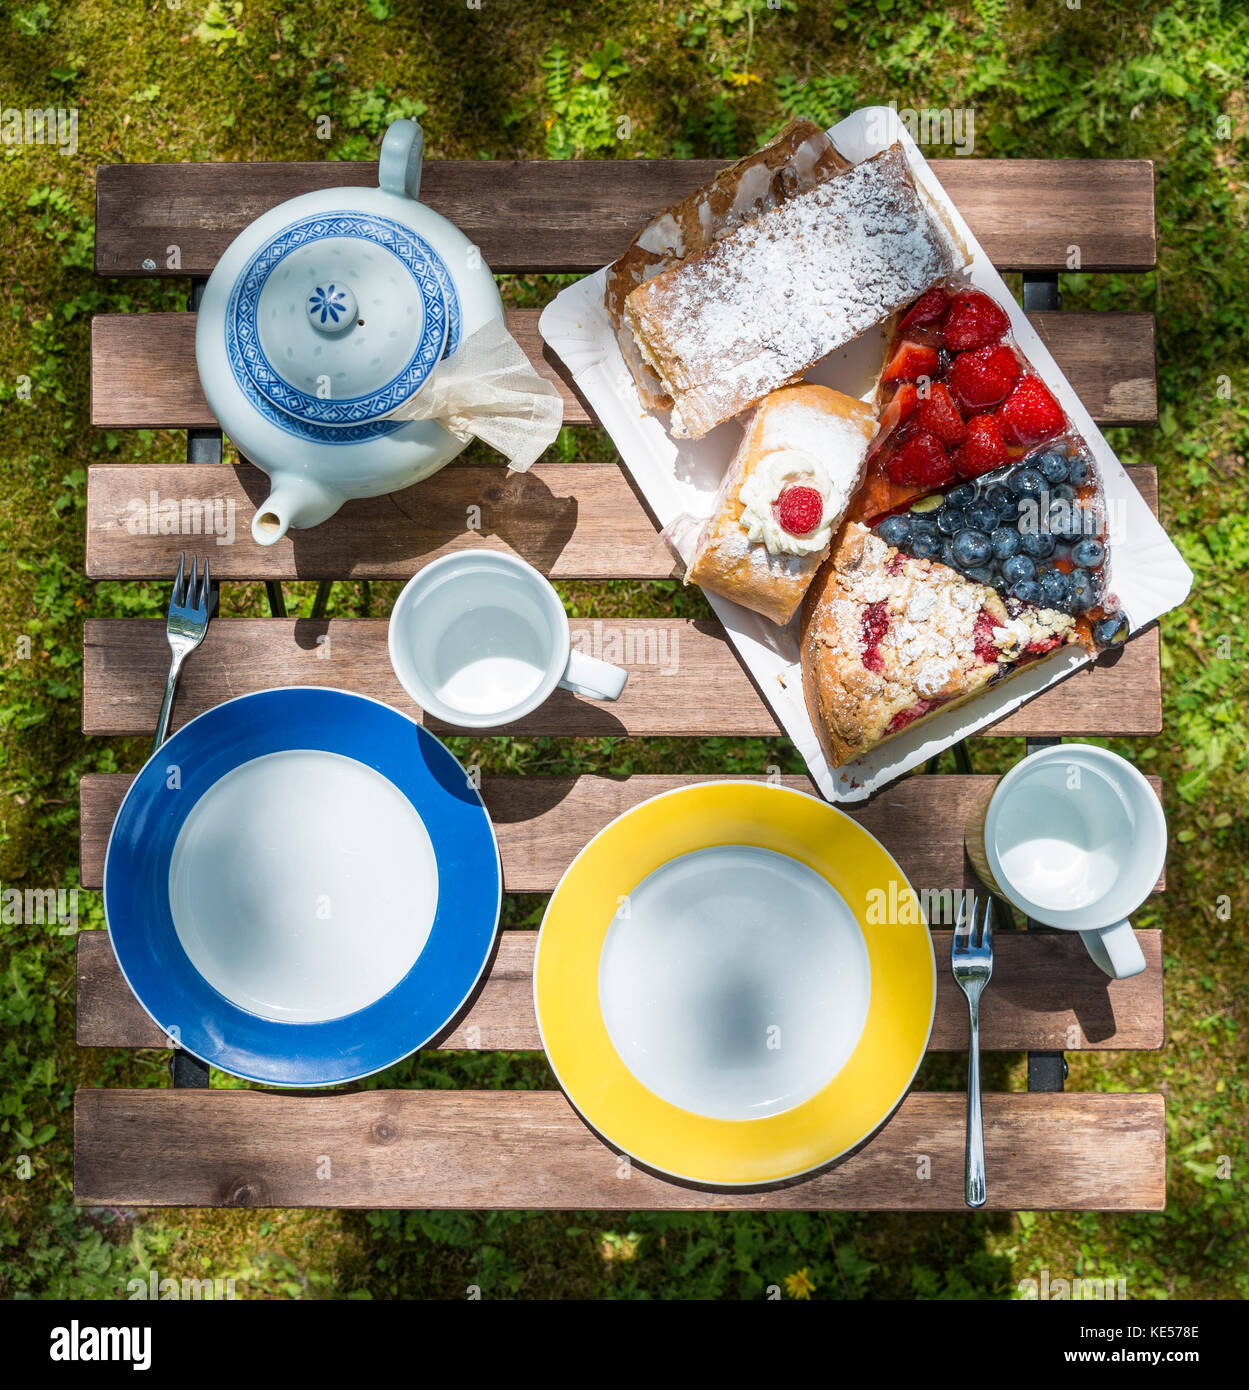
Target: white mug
<point x="480" y="638"/>
<point x="1075" y="838"/>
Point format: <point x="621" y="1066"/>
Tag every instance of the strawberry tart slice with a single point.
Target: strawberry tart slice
<point x="888" y="640"/>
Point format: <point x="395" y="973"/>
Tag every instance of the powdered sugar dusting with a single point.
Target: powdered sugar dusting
<point x="759" y="307"/>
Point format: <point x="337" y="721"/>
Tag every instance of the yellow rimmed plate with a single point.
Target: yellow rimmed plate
<point x="734" y="983"/>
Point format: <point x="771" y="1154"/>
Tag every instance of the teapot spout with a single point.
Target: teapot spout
<point x="296" y="502"/>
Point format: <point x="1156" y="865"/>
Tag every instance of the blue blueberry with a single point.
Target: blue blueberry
<point x="1083" y="523"/>
<point x="1083" y="589"/>
<point x="1017" y="568"/>
<point x="1111" y="632"/>
<point x="1001" y="584"/>
<point x="922" y="525"/>
<point x="1026" y="482"/>
<point x="980" y="573"/>
<point x="1059" y="521"/>
<point x="1005" y="541"/>
<point x="1052" y="467"/>
<point x="1063" y="492"/>
<point x="1056" y="587"/>
<point x="981" y="516"/>
<point x="925" y="545"/>
<point x="972" y="548"/>
<point x="1089" y="554"/>
<point x="1079" y="471"/>
<point x="962" y="496"/>
<point x="1002" y="500"/>
<point x="894" y="530"/>
<point x="951" y="520"/>
<point x="1027" y="591"/>
<point x="947" y="554"/>
<point x="1038" y="544"/>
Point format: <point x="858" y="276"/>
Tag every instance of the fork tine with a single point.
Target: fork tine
<point x="192" y="584"/>
<point x="176" y="597"/>
<point x="204" y="604"/>
<point x="962" y="929"/>
<point x="986" y="930"/>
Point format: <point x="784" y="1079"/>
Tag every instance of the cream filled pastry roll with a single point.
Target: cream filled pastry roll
<point x="787" y="488"/>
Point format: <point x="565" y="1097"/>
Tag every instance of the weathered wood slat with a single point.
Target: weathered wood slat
<point x="143" y="372"/>
<point x="543" y="823"/>
<point x="485" y="1150"/>
<point x="684" y="679"/>
<point x="571" y="520"/>
<point x="546" y="216"/>
<point x="1047" y="995"/>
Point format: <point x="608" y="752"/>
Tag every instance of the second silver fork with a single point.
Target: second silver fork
<point x="971" y="959"/>
<point x="190" y="608"/>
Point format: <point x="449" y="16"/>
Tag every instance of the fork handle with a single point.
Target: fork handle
<point x="974" y="1179"/>
<point x="166" y="705"/>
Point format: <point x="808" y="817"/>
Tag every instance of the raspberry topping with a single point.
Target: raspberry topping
<point x="909" y="715"/>
<point x="872" y="627"/>
<point x="980" y="380"/>
<point x="972" y="321"/>
<point x="910" y="362"/>
<point x="1031" y="414"/>
<point x="982" y="636"/>
<point x="1043" y="645"/>
<point x="983" y="450"/>
<point x="928" y="308"/>
<point x="939" y="415"/>
<point x="922" y="460"/>
<point x="799" y="510"/>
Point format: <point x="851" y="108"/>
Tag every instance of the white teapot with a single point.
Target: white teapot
<point x="325" y="316"/>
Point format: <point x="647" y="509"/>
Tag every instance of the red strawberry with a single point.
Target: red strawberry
<point x="939" y="415"/>
<point x="921" y="460"/>
<point x="928" y="308"/>
<point x="901" y="407"/>
<point x="799" y="510"/>
<point x="910" y="362"/>
<point x="983" y="450"/>
<point x="980" y="380"/>
<point x="1031" y="414"/>
<point x="972" y="321"/>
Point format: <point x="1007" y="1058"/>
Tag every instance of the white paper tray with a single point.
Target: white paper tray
<point x="681" y="476"/>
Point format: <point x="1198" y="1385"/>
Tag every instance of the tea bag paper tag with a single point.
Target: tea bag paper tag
<point x="488" y="390"/>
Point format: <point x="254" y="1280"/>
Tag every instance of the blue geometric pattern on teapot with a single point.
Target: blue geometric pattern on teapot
<point x="339" y="421"/>
<point x="329" y="300"/>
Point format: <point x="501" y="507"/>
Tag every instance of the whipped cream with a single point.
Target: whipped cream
<point x="773" y="474"/>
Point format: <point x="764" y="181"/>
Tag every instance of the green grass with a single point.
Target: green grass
<point x="622" y="79"/>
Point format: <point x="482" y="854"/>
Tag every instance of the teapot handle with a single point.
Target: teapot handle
<point x="399" y="169"/>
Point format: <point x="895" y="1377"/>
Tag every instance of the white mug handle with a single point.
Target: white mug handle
<point x="1115" y="950"/>
<point x="595" y="679"/>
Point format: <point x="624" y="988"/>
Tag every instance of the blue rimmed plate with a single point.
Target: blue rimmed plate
<point x="302" y="887"/>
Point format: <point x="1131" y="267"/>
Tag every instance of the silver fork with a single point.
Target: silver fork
<point x="190" y="608"/>
<point x="971" y="959"/>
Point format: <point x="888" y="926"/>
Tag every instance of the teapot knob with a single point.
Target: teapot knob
<point x="332" y="308"/>
<point x="399" y="169"/>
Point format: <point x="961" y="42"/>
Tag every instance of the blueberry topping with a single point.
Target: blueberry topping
<point x="1079" y="471"/>
<point x="947" y="555"/>
<point x="1037" y="544"/>
<point x="1017" y="568"/>
<point x="972" y="548"/>
<point x="962" y="496"/>
<point x="894" y="530"/>
<point x="1026" y="482"/>
<point x="922" y="525"/>
<point x="1059" y="520"/>
<point x="1083" y="589"/>
<point x="951" y="520"/>
<point x="1056" y="587"/>
<point x="925" y="545"/>
<point x="1002" y="500"/>
<point x="1111" y="632"/>
<point x="982" y="516"/>
<point x="980" y="573"/>
<point x="1027" y="591"/>
<point x="1052" y="467"/>
<point x="1001" y="585"/>
<point x="1064" y="492"/>
<point x="1089" y="554"/>
<point x="1005" y="542"/>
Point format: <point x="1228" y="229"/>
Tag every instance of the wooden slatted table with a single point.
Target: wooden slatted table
<point x="192" y="1145"/>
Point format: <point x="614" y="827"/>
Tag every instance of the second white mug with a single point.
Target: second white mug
<point x="480" y="638"/>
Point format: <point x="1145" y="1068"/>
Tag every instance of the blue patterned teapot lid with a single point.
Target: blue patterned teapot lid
<point x="340" y="317"/>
